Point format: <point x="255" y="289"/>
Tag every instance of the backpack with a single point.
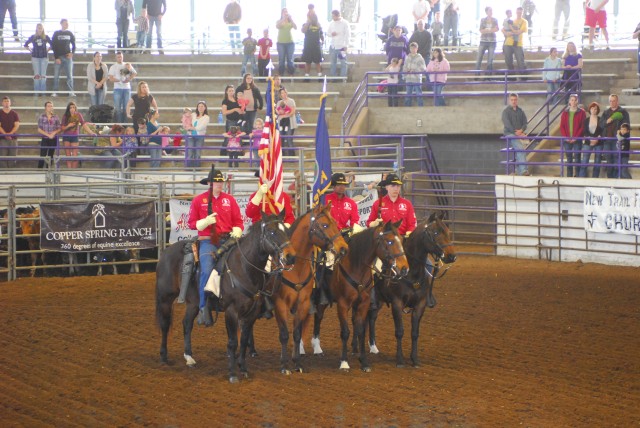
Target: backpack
<point x="102" y="113"/>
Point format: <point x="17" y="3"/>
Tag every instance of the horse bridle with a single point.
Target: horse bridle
<point x="316" y="230"/>
<point x="388" y="255"/>
<point x="264" y="239"/>
<point x="433" y="237"/>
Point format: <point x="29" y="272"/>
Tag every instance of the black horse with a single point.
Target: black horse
<point x="241" y="287"/>
<point x="414" y="292"/>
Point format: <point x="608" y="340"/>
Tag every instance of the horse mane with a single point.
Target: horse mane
<point x="415" y="247"/>
<point x="297" y="222"/>
<point x="361" y="245"/>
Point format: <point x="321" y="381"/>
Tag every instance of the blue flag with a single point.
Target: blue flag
<point x="323" y="157"/>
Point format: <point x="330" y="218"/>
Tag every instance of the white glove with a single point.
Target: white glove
<point x="356" y="228"/>
<point x="375" y="222"/>
<point x="406" y="235"/>
<point x="263" y="189"/>
<point x="236" y="232"/>
<point x="203" y="223"/>
<point x="287" y="225"/>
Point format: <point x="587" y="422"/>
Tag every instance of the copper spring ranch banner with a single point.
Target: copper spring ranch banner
<point x="97" y="226"/>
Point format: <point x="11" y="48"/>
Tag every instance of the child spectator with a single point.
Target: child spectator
<point x="264" y="56"/>
<point x="624" y="147"/>
<point x="256" y="136"/>
<point x="437" y="30"/>
<point x="142" y="141"/>
<point x="187" y="122"/>
<point x="142" y="21"/>
<point x="392" y="82"/>
<point x="167" y="146"/>
<point x="250" y="45"/>
<point x="130" y="143"/>
<point x="243" y="103"/>
<point x="234" y="145"/>
<point x="283" y="109"/>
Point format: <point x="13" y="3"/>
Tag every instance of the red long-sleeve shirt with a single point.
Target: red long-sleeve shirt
<point x="343" y="209"/>
<point x="579" y="117"/>
<point x="401" y="209"/>
<point x="254" y="211"/>
<point x="224" y="205"/>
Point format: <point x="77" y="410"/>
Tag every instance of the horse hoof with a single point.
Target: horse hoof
<point x="344" y="370"/>
<point x="190" y="361"/>
<point x="373" y="349"/>
<point x="253" y="354"/>
<point x="400" y="365"/>
<point x="344" y="366"/>
<point x="366" y="369"/>
<point x="299" y="370"/>
<point x="285" y="372"/>
<point x="234" y="379"/>
<point x="319" y="354"/>
<point x="245" y="375"/>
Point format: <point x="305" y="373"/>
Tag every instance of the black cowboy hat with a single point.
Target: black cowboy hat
<point x="217" y="177"/>
<point x="391" y="179"/>
<point x="338" y="178"/>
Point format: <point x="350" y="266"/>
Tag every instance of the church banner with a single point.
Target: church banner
<point x="608" y="210"/>
<point x="97" y="226"/>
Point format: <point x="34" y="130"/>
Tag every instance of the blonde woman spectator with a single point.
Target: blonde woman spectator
<point x="39" y="57"/>
<point x="572" y="63"/>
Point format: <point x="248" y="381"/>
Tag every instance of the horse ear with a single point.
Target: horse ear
<point x="282" y="214"/>
<point x="432" y="217"/>
<point x="264" y="216"/>
<point x="397" y="224"/>
<point x="442" y="215"/>
<point x="329" y="204"/>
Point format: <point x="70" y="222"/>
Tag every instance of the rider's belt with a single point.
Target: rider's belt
<point x="221" y="236"/>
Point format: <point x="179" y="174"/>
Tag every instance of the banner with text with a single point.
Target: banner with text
<point x="97" y="226"/>
<point x="612" y="210"/>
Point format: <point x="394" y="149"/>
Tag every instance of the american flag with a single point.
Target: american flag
<point x="270" y="152"/>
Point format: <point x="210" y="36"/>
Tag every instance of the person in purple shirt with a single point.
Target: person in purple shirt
<point x="397" y="45"/>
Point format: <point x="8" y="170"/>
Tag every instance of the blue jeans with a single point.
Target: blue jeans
<point x="123" y="38"/>
<point x="120" y="100"/>
<point x="154" y="20"/>
<point x="490" y="48"/>
<point x="333" y="54"/>
<point x="611" y="157"/>
<point x="67" y="64"/>
<point x="437" y="92"/>
<point x="285" y="54"/>
<point x="572" y="153"/>
<point x="587" y="149"/>
<point x="414" y="90"/>
<point x="624" y="169"/>
<point x="516" y="144"/>
<point x="99" y="97"/>
<point x="39" y="73"/>
<point x="9" y="5"/>
<point x="141" y="37"/>
<point x="111" y="163"/>
<point x="249" y="58"/>
<point x="155" y="153"/>
<point x="206" y="266"/>
<point x="193" y="151"/>
<point x="235" y="39"/>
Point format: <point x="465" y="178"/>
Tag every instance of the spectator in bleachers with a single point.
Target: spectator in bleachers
<point x="48" y="127"/>
<point x="142" y="102"/>
<point x="393" y="100"/>
<point x="513" y="42"/>
<point x="121" y="74"/>
<point x="572" y="129"/>
<point x="414" y="63"/>
<point x="424" y="40"/>
<point x="313" y="40"/>
<point x="528" y="8"/>
<point x="610" y="121"/>
<point x="572" y="63"/>
<point x="39" y="57"/>
<point x="450" y="22"/>
<point x="552" y="74"/>
<point x="252" y="95"/>
<point x="124" y="8"/>
<point x="624" y="146"/>
<point x="72" y="123"/>
<point x="563" y="7"/>
<point x="264" y="53"/>
<point x="155" y="140"/>
<point x="488" y="29"/>
<point x="420" y="11"/>
<point x="114" y="145"/>
<point x="277" y="85"/>
<point x="596" y="15"/>
<point x="397" y="45"/>
<point x="249" y="49"/>
<point x="155" y="11"/>
<point x="285" y="44"/>
<point x="232" y="16"/>
<point x="339" y="31"/>
<point x="437" y="29"/>
<point x="592" y="131"/>
<point x="63" y="44"/>
<point x="435" y="8"/>
<point x="234" y="145"/>
<point x="515" y="123"/>
<point x="10" y="6"/>
<point x="231" y="111"/>
<point x="195" y="143"/>
<point x="293" y="124"/>
<point x="9" y="124"/>
<point x="636" y="35"/>
<point x="437" y="69"/>
<point x="130" y="143"/>
<point x="142" y="23"/>
<point x="256" y="136"/>
<point x="97" y="75"/>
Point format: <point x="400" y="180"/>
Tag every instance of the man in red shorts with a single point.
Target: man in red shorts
<point x="596" y="15"/>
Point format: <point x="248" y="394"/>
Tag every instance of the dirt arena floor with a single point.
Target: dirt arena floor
<point x="511" y="342"/>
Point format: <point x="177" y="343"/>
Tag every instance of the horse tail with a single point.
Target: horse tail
<point x="168" y="274"/>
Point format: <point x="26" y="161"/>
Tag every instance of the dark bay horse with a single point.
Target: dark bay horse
<point x="414" y="292"/>
<point x="241" y="286"/>
<point x="293" y="294"/>
<point x="352" y="280"/>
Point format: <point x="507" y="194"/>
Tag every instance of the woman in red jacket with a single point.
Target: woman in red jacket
<point x="572" y="129"/>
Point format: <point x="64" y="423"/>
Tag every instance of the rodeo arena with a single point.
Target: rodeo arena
<point x="347" y="213"/>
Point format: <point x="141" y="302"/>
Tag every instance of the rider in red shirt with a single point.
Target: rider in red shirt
<point x="343" y="209"/>
<point x="393" y="207"/>
<point x="254" y="207"/>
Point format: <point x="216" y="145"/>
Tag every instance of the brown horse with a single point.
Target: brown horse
<point x="293" y="294"/>
<point x="30" y="225"/>
<point x="352" y="280"/>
